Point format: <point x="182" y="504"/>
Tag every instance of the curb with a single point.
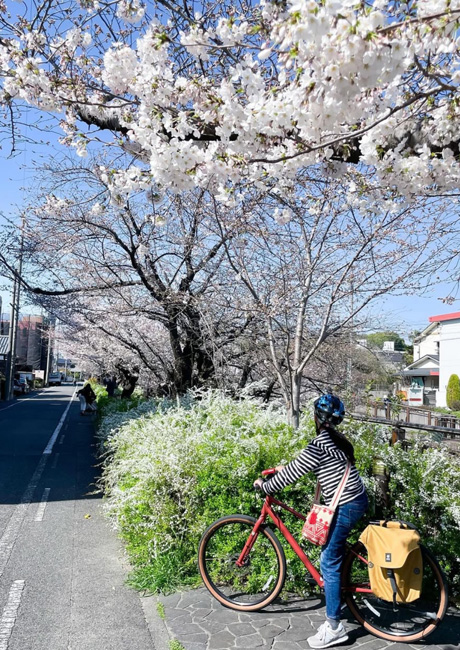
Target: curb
<point x="155" y="623"/>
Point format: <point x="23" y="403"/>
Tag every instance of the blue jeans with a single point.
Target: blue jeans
<point x="332" y="552"/>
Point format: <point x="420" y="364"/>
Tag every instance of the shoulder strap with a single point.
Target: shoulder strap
<point x="340" y="488"/>
<point x="318" y="492"/>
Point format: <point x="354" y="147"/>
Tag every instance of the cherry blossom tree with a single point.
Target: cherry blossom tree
<point x="316" y="266"/>
<point x="248" y="115"/>
<point x="116" y="343"/>
<point x="137" y="272"/>
<point x="240" y="93"/>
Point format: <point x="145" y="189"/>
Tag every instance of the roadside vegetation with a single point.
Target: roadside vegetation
<point x="171" y="468"/>
<point x="453" y="393"/>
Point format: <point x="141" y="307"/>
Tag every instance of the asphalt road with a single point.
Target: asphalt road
<point x="62" y="570"/>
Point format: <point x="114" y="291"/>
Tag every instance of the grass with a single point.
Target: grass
<point x="161" y="610"/>
<point x="176" y="645"/>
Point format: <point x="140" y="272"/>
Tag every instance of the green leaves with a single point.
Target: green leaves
<point x="172" y="470"/>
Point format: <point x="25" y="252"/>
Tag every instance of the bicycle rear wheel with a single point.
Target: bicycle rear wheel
<point x="252" y="586"/>
<point x="411" y="621"/>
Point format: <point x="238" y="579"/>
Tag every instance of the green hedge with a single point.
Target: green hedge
<point x="171" y="470"/>
<point x="453" y="392"/>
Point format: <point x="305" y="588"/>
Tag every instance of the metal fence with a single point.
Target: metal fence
<point x="411" y="416"/>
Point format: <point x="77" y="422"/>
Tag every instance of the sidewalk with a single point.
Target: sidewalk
<point x="198" y="622"/>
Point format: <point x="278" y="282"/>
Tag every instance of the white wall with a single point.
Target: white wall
<point x="428" y="345"/>
<point x="428" y="363"/>
<point x="449" y="359"/>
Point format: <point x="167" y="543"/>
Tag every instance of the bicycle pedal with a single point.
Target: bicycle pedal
<point x="311" y="581"/>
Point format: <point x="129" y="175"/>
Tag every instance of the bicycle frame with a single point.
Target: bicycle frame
<point x="268" y="512"/>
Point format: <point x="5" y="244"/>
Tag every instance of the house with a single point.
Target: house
<point x="436" y="358"/>
<point x="427" y="342"/>
<point x="31" y="346"/>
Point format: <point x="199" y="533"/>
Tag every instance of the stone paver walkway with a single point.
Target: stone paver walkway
<point x="199" y="622"/>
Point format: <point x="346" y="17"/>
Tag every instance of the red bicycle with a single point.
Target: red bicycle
<point x="243" y="565"/>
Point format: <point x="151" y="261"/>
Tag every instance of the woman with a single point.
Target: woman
<point x="327" y="457"/>
<point x="87" y="399"/>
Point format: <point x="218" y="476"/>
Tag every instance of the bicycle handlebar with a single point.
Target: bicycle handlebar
<point x="266" y="473"/>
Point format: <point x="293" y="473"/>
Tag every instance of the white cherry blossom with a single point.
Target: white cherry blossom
<point x="232" y="100"/>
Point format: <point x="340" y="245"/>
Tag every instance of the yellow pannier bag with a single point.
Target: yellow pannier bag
<point x="395" y="561"/>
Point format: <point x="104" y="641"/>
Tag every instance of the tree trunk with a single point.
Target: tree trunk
<point x="193" y="365"/>
<point x="245" y="375"/>
<point x="269" y="391"/>
<point x="129" y="378"/>
<point x="294" y="413"/>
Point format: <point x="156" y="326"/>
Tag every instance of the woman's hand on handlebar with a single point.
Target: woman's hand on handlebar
<point x="258" y="483"/>
<point x="267" y="472"/>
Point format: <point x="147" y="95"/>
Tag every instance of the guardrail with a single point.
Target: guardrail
<point x="398" y="425"/>
<point x="412" y="417"/>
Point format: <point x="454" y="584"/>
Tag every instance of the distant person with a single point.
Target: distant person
<point x="87" y="399"/>
<point x="111" y="386"/>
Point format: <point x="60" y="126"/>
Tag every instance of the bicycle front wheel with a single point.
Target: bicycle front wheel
<point x="250" y="587"/>
<point x="405" y="622"/>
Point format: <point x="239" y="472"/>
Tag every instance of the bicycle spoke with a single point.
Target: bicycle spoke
<point x="255" y="582"/>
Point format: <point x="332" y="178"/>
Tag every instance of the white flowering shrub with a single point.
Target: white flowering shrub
<point x="113" y="410"/>
<point x="170" y="470"/>
<point x="425" y="489"/>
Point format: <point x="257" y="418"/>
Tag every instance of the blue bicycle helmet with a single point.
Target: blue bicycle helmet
<point x="329" y="409"/>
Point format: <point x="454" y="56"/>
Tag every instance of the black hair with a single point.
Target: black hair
<point x="339" y="440"/>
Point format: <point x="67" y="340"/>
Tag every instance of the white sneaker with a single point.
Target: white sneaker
<point x="326" y="636"/>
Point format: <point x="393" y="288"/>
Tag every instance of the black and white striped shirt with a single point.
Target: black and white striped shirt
<point x="327" y="462"/>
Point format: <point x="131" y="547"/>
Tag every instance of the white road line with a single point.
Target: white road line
<point x="62" y="439"/>
<point x="42" y="505"/>
<point x="8" y="539"/>
<point x="56" y="458"/>
<point x="32" y="398"/>
<point x="23" y="400"/>
<point x="52" y="440"/>
<point x="10" y="613"/>
<point x="15" y="404"/>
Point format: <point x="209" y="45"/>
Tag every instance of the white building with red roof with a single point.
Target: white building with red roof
<point x="436" y="358"/>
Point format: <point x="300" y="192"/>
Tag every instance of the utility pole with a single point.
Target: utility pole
<point x="14" y="319"/>
<point x="9" y="373"/>
<point x="51" y="323"/>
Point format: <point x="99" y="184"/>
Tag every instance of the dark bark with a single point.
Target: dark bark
<point x="347" y="151"/>
<point x="193" y="365"/>
<point x="268" y="393"/>
<point x="245" y="374"/>
<point x="128" y="379"/>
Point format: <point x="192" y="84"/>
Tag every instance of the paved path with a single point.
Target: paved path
<point x="199" y="622"/>
<point x="62" y="569"/>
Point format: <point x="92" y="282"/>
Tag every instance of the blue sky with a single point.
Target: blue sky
<point x="400" y="313"/>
